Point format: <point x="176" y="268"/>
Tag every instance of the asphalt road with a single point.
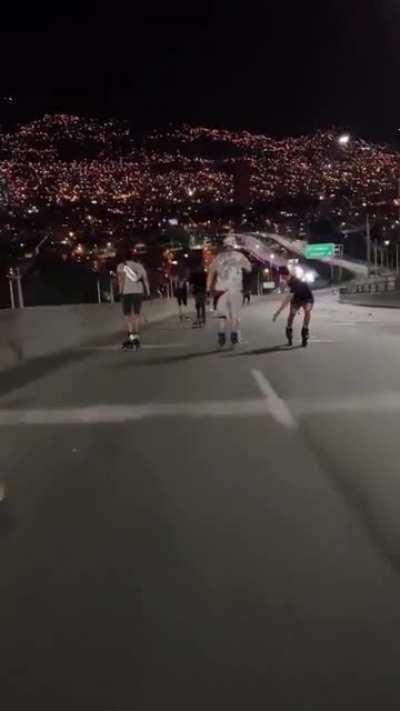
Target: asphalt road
<point x="205" y="530"/>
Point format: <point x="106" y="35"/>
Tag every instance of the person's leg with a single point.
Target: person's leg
<point x="135" y="324"/>
<point x="196" y="322"/>
<point x="203" y="309"/>
<point x="222" y="311"/>
<point x="289" y="326"/>
<point x="234" y="308"/>
<point x="292" y="314"/>
<point x="307" y="314"/>
<point x="127" y="311"/>
<point x="136" y="309"/>
<point x="180" y="307"/>
<point x="185" y="305"/>
<point x="128" y="316"/>
<point x="130" y="322"/>
<point x="305" y="331"/>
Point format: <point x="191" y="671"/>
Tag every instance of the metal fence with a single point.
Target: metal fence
<point x="18" y="290"/>
<point x="373" y="286"/>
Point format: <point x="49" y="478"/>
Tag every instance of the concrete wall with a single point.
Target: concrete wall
<point x="45" y="330"/>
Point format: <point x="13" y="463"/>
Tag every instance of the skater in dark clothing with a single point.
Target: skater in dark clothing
<point x="246" y="289"/>
<point x="299" y="297"/>
<point x="198" y="281"/>
<point x="181" y="293"/>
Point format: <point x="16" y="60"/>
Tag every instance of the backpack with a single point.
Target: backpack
<point x="131" y="274"/>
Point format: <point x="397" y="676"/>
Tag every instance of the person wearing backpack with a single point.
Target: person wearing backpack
<point x="133" y="286"/>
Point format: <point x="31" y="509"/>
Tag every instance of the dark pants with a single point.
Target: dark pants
<point x="200" y="300"/>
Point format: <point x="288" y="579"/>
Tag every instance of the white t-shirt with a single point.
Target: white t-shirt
<point x="228" y="266"/>
<point x="134" y="277"/>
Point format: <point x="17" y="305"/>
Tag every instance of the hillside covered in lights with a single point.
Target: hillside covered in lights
<point x="100" y="177"/>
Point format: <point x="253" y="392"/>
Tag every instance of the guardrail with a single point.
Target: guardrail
<point x="372" y="286"/>
<point x="384" y="292"/>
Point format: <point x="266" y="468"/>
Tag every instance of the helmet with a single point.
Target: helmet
<point x="230" y="241"/>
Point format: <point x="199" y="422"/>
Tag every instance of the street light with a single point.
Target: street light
<point x="344" y="139"/>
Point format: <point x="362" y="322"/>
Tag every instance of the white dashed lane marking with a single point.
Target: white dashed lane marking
<point x="277" y="408"/>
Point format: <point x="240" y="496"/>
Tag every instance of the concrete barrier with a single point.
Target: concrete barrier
<point x="45" y="330"/>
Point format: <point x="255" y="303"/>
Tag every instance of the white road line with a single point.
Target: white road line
<point x="270" y="404"/>
<point x="277" y="408"/>
<point x="98" y="414"/>
<point x="374" y="403"/>
<point x="321" y="340"/>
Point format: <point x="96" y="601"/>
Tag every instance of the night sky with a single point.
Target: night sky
<point x="289" y="68"/>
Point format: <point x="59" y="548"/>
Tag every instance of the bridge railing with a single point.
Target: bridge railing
<point x="372" y="286"/>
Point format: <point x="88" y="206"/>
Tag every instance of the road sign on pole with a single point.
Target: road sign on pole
<point x="323" y="250"/>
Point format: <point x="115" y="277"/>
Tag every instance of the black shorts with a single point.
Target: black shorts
<point x="132" y="303"/>
<point x="182" y="298"/>
<point x="300" y="303"/>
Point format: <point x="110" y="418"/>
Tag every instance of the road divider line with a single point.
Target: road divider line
<point x="378" y="403"/>
<point x="109" y="414"/>
<point x="270" y="404"/>
<point x="277" y="408"/>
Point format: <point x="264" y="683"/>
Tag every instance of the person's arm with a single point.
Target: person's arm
<point x="285" y="301"/>
<point x="246" y="265"/>
<point x="146" y="283"/>
<point x="120" y="275"/>
<point x="212" y="273"/>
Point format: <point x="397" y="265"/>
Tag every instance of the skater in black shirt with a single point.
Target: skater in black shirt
<point x="181" y="293"/>
<point x="299" y="297"/>
<point x="198" y="280"/>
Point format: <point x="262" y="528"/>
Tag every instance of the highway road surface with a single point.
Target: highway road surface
<point x="197" y="530"/>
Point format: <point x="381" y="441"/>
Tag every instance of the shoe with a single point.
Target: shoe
<point x="305" y="334"/>
<point x="132" y="343"/>
<point x="135" y="341"/>
<point x="196" y="324"/>
<point x="234" y="338"/>
<point x="221" y="340"/>
<point x="289" y="336"/>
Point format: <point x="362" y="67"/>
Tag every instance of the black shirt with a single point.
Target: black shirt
<point x="199" y="282"/>
<point x="300" y="290"/>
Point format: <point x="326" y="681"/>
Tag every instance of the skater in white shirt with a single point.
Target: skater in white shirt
<point x="225" y="279"/>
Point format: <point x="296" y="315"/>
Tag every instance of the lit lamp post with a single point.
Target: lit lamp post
<point x="343" y="140"/>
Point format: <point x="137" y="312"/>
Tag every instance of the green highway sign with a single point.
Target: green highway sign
<point x="323" y="250"/>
